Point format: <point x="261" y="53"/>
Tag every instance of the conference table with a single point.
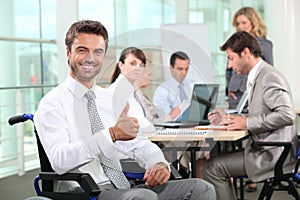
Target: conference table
<point x="208" y="134"/>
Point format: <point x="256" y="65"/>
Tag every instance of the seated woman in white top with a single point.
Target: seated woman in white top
<point x="132" y="64"/>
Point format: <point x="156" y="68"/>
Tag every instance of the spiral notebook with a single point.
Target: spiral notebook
<point x="176" y="131"/>
<point x="203" y="100"/>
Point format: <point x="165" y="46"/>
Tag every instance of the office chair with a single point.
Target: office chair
<point x="133" y="172"/>
<point x="281" y="181"/>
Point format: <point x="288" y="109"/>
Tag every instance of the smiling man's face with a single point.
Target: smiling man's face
<point x="86" y="58"/>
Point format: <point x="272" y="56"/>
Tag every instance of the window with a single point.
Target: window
<point x="28" y="53"/>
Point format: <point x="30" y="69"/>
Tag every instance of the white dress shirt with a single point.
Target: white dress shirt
<point x="251" y="76"/>
<point x="167" y="95"/>
<point x="64" y="129"/>
<point x="250" y="81"/>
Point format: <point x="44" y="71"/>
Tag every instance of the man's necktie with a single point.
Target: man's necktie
<point x="111" y="166"/>
<point x="181" y="92"/>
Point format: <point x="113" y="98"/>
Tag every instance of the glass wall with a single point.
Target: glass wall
<point x="29" y="53"/>
<point x="28" y="56"/>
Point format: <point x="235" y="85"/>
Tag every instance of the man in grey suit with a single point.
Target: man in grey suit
<point x="236" y="83"/>
<point x="271" y="118"/>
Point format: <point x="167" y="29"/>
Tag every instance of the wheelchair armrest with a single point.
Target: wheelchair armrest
<point x="279" y="164"/>
<point x="174" y="173"/>
<point x="132" y="170"/>
<point x="83" y="179"/>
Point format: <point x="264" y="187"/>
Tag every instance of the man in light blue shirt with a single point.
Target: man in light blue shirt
<point x="167" y="96"/>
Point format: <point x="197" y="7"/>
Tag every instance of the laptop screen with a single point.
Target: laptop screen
<point x="204" y="99"/>
<point x="240" y="107"/>
<point x="242" y="103"/>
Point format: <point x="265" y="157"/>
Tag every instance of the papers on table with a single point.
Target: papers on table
<point x="189" y="131"/>
<point x="172" y="131"/>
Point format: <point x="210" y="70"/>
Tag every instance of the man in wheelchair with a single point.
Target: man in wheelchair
<point x="82" y="127"/>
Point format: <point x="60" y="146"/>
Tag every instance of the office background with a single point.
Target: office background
<point x="33" y="59"/>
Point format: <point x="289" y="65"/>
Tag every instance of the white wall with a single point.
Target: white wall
<point x="192" y="39"/>
<point x="282" y="19"/>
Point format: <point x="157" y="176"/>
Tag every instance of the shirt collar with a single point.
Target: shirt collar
<point x="77" y="88"/>
<point x="175" y="82"/>
<point x="252" y="73"/>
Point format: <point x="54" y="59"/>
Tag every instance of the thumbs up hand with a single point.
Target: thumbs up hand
<point x="126" y="127"/>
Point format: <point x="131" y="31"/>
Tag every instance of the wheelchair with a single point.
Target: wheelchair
<point x="90" y="189"/>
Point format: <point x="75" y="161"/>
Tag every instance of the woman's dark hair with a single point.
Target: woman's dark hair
<point x="138" y="53"/>
<point x="88" y="27"/>
<point x="239" y="41"/>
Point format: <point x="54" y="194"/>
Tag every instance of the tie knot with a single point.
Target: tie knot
<point x="90" y="95"/>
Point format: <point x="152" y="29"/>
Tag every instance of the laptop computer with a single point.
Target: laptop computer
<point x="240" y="107"/>
<point x="203" y="100"/>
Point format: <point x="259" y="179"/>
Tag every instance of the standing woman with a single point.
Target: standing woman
<point x="247" y="19"/>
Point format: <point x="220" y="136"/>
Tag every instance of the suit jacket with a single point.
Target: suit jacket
<point x="271" y="118"/>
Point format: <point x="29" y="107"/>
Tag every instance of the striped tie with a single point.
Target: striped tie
<point x="111" y="166"/>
